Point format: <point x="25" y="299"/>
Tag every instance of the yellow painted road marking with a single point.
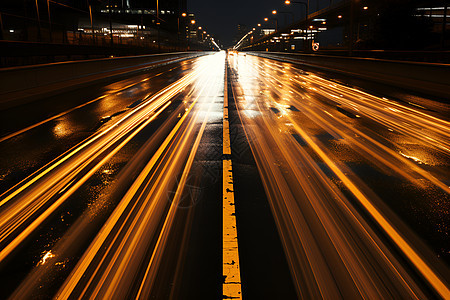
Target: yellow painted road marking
<point x="226" y="136"/>
<point x="231" y="269"/>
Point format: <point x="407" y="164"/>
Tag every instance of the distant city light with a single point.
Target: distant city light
<point x="340" y="17"/>
<point x="365" y="7"/>
<point x="274" y="12"/>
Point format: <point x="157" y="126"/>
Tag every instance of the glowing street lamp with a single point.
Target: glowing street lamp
<point x="183" y="15"/>
<point x="284" y="12"/>
<point x="276" y="22"/>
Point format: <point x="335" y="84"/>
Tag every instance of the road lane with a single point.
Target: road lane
<point x="34" y="134"/>
<point x="30" y="203"/>
<point x="287" y="114"/>
<point x="325" y="176"/>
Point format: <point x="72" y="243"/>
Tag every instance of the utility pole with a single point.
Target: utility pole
<point x="110" y="23"/>
<point x="1" y="27"/>
<point x="444" y="25"/>
<point x="178" y="33"/>
<point x="39" y="22"/>
<point x="49" y="20"/>
<point x="92" y="23"/>
<point x="157" y="25"/>
<point x="350" y="34"/>
<point x="308" y="46"/>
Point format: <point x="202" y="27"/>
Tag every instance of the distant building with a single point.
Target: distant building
<point x="166" y="7"/>
<point x="242" y="30"/>
<point x="143" y="13"/>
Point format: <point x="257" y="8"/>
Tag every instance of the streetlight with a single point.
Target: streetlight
<point x="189" y="34"/>
<point x="276" y="22"/>
<point x="306" y="4"/>
<point x="284" y="12"/>
<point x="110" y="23"/>
<point x="50" y="21"/>
<point x="39" y="21"/>
<point x="90" y="16"/>
<point x="157" y="25"/>
<point x="178" y="19"/>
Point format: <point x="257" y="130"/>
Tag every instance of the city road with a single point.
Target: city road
<point x="226" y="176"/>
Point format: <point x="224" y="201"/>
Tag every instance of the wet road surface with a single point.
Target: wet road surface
<point x="225" y="177"/>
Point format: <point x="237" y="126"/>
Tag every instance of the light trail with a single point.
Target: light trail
<point x="42" y="187"/>
<point x="380" y="152"/>
<point x="116" y="91"/>
<point x="310" y="212"/>
<point x="148" y="201"/>
<point x="324" y="212"/>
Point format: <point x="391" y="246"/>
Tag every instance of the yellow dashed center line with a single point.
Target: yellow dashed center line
<point x="231" y="269"/>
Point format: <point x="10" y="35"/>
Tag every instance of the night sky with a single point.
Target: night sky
<point x="221" y="17"/>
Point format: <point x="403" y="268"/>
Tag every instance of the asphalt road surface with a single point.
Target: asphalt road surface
<point x="226" y="176"/>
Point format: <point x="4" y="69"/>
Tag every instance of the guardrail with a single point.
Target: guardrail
<point x="21" y="85"/>
<point x="429" y="78"/>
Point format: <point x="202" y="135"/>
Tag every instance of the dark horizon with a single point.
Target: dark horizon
<point x="222" y="17"/>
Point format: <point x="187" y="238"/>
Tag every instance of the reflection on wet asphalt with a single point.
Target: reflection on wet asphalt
<point x="115" y="191"/>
